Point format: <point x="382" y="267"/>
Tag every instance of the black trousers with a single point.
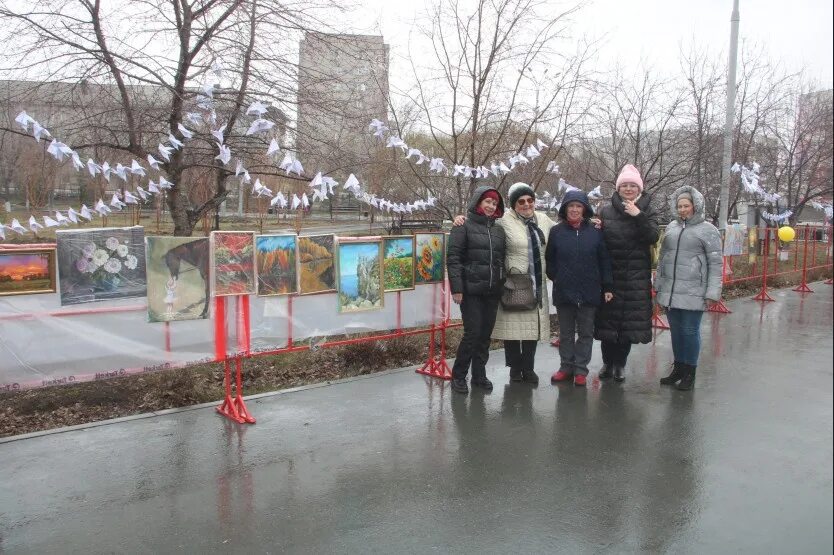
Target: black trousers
<point x="521" y="354"/>
<point x="615" y="353"/>
<point x="478" y="313"/>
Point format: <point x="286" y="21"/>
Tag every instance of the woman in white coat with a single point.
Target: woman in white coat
<point x="526" y="233"/>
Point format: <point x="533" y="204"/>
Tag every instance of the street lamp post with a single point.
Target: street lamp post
<point x="726" y="161"/>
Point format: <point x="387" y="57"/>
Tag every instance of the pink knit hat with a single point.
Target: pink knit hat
<point x="630" y="174"/>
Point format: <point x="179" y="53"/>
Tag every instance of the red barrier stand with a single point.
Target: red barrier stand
<point x="763" y="295"/>
<point x="719" y="307"/>
<point x="436" y="365"/>
<point x="233" y="408"/>
<point x="657" y="319"/>
<point x="803" y="287"/>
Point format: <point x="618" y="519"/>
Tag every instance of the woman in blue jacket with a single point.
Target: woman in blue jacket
<point x="578" y="263"/>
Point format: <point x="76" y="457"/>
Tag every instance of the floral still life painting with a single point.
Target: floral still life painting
<point x="429" y="255"/>
<point x="101" y="264"/>
<point x="360" y="276"/>
<point x="398" y="262"/>
<point x="178" y="278"/>
<point x="276" y="264"/>
<point x="25" y="272"/>
<point x="233" y="262"/>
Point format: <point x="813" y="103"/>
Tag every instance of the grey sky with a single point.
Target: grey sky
<point x="797" y="33"/>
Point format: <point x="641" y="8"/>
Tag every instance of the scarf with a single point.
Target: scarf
<point x="534" y="264"/>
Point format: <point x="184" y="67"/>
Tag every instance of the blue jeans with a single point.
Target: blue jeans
<point x="685" y="327"/>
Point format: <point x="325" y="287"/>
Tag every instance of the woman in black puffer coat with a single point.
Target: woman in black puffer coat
<point x="475" y="263"/>
<point x="630" y="227"/>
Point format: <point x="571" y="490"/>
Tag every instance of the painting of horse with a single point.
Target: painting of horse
<point x="178" y="278"/>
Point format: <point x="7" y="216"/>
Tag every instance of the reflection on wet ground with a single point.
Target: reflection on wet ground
<point x="396" y="463"/>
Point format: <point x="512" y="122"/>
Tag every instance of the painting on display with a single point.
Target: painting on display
<point x="275" y="261"/>
<point x="178" y="278"/>
<point x="733" y="240"/>
<point x="360" y="276"/>
<point x="233" y="262"/>
<point x="429" y="257"/>
<point x="316" y="272"/>
<point x="398" y="262"/>
<point x="101" y="264"/>
<point x="26" y="272"/>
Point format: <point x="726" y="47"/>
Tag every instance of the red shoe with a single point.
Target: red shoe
<point x="579" y="379"/>
<point x="560" y="376"/>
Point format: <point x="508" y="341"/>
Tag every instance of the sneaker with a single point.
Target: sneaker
<point x="560" y="376"/>
<point x="459" y="385"/>
<point x="483" y="383"/>
<point x="579" y="379"/>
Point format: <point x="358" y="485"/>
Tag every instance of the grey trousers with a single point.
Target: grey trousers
<point x="576" y="337"/>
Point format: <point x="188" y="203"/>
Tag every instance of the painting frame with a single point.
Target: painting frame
<point x="436" y="243"/>
<point x="51" y="258"/>
<point x="249" y="288"/>
<point x="100" y="264"/>
<point x="351" y="244"/>
<point x="181" y="283"/>
<point x="396" y="239"/>
<point x="258" y="256"/>
<point x="302" y="265"/>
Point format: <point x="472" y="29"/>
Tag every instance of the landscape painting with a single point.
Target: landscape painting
<point x="429" y="255"/>
<point x="316" y="273"/>
<point x="398" y="262"/>
<point x="275" y="261"/>
<point x="25" y="272"/>
<point x="101" y="264"/>
<point x="178" y="278"/>
<point x="233" y="262"/>
<point x="360" y="276"/>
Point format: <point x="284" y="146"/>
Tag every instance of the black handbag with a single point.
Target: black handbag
<point x="518" y="293"/>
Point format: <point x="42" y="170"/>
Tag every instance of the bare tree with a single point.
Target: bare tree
<point x="147" y="59"/>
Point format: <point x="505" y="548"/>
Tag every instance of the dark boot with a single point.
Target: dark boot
<point x="530" y="376"/>
<point x="482" y="382"/>
<point x="515" y="374"/>
<point x="675" y="376"/>
<point x="606" y="372"/>
<point x="619" y="373"/>
<point x="459" y="385"/>
<point x="688" y="379"/>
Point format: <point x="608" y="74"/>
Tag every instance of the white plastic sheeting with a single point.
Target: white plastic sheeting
<point x="42" y="343"/>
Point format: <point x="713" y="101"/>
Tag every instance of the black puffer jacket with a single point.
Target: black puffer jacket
<point x="628" y="317"/>
<point x="475" y="260"/>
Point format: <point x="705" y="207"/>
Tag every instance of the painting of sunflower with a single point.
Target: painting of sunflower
<point x="429" y="255"/>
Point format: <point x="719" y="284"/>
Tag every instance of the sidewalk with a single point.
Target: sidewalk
<point x="396" y="463"/>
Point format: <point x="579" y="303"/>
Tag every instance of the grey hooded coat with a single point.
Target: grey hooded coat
<point x="690" y="264"/>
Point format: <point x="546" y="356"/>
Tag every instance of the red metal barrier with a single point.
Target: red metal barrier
<point x="763" y="295"/>
<point x="803" y="287"/>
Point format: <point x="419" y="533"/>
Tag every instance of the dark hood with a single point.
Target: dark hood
<point x="476" y="198"/>
<point x="575" y="196"/>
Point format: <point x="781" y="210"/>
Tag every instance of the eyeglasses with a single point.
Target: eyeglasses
<point x="526" y="201"/>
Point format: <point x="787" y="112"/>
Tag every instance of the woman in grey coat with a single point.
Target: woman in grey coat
<point x="688" y="279"/>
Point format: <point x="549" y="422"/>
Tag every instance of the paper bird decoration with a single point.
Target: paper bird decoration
<point x="34" y="225"/>
<point x="225" y="155"/>
<point x="48" y="222"/>
<point x="153" y="162"/>
<point x="16" y="227"/>
<point x="176" y="143"/>
<point x="257" y="108"/>
<point x="260" y="125"/>
<point x="273" y="148"/>
<point x="185" y="132"/>
<point x="165" y="151"/>
<point x="39" y="132"/>
<point x="24" y="119"/>
<point x="218" y="133"/>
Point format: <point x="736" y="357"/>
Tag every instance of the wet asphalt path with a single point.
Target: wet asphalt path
<point x="396" y="463"/>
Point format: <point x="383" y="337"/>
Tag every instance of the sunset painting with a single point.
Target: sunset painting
<point x="27" y="271"/>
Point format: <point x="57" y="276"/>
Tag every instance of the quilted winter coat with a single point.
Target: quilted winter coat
<point x="529" y="324"/>
<point x="475" y="260"/>
<point x="690" y="265"/>
<point x="628" y="317"/>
